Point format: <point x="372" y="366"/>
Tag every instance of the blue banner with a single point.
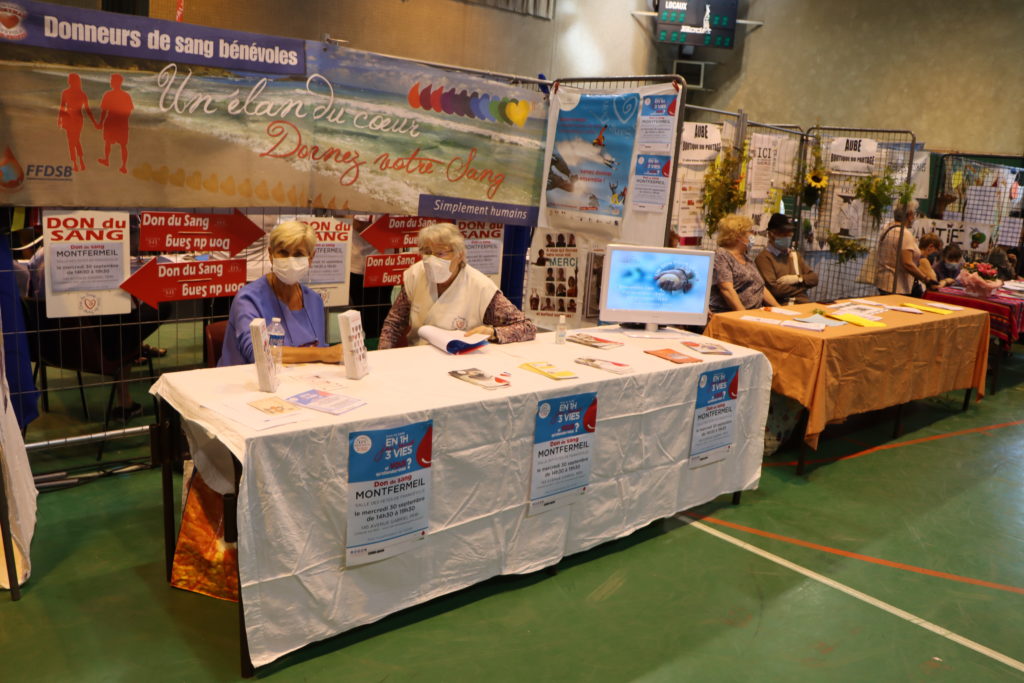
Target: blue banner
<point x="107" y="33"/>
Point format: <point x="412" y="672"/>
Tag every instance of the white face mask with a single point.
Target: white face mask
<point x="290" y="269"/>
<point x="438" y="269"/>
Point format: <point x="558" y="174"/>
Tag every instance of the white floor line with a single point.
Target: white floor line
<point x="864" y="597"/>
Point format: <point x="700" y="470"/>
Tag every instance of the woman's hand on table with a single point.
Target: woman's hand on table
<point x="484" y="329"/>
<point x="312" y="354"/>
<point x="331" y="354"/>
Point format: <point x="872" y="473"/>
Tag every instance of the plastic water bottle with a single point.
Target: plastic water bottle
<point x="560" y="330"/>
<point x="276" y="334"/>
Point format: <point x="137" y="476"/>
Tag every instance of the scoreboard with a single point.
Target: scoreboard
<point x="704" y="23"/>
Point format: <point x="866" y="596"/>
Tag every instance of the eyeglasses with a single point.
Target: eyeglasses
<point x="443" y="252"/>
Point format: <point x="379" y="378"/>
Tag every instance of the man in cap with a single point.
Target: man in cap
<point x="784" y="270"/>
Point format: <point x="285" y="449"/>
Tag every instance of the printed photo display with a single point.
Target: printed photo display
<point x="555" y="277"/>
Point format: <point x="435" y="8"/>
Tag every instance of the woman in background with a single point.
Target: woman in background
<point x="738" y="285"/>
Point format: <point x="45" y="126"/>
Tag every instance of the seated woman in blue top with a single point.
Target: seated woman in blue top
<point x="281" y="295"/>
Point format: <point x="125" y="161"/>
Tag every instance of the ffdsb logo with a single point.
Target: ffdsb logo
<point x="47" y="172"/>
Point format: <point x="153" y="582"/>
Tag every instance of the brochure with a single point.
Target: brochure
<point x="802" y="325"/>
<point x="548" y="370"/>
<point x="606" y="365"/>
<point x="930" y="308"/>
<point x="452" y="341"/>
<point x="325" y="402"/>
<point x="273" y="405"/>
<point x="708" y="348"/>
<point x="856" y="320"/>
<point x="674" y="356"/>
<point x="761" y="319"/>
<point x="480" y="378"/>
<point x="591" y="340"/>
<point x="819" y="319"/>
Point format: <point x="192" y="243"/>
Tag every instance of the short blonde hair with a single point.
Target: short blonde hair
<point x="733" y="229"/>
<point x="290" y="234"/>
<point x="443" y="235"/>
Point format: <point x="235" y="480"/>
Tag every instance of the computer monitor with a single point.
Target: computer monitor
<point x="656" y="285"/>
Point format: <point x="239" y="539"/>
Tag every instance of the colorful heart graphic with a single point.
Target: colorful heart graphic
<point x="425" y="98"/>
<point x="8" y="19"/>
<point x="517" y="112"/>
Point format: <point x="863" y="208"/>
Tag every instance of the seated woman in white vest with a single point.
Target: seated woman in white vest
<point x="444" y="291"/>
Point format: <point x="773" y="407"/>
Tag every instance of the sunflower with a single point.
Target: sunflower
<point x="817" y="180"/>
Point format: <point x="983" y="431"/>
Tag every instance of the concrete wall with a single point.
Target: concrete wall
<point x="949" y="70"/>
<point x="952" y="71"/>
<point x="586" y="38"/>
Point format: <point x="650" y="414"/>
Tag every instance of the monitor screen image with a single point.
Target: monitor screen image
<point x="656" y="285"/>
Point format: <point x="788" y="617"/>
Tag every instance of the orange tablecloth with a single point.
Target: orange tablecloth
<point x="849" y="369"/>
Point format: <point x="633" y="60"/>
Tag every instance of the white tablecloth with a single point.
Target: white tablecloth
<point x="293" y="492"/>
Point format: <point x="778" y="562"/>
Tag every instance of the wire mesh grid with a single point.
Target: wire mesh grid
<point x="95" y="370"/>
<point x="838" y="216"/>
<point x="987" y="197"/>
<point x="710" y="131"/>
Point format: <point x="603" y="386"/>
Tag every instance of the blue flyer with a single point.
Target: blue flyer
<point x="714" y="417"/>
<point x="651" y="181"/>
<point x="564" y="437"/>
<point x="388" y="491"/>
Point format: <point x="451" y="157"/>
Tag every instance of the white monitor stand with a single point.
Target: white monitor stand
<point x="651" y="331"/>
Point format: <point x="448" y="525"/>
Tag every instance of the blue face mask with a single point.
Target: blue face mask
<point x="750" y="244"/>
<point x="783" y="243"/>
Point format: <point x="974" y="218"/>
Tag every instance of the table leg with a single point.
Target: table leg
<point x="231" y="536"/>
<point x="164" y="447"/>
<point x="967" y="399"/>
<point x="8" y="541"/>
<point x="736" y="497"/>
<point x="897" y="427"/>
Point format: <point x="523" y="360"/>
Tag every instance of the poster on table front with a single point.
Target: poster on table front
<point x="86" y="260"/>
<point x="714" y="418"/>
<point x="183" y="115"/>
<point x="564" y="439"/>
<point x="388" y="491"/>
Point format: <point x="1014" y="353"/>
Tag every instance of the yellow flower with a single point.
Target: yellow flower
<point x="817" y="180"/>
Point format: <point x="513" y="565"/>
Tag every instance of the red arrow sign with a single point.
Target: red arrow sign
<point x="385" y="270"/>
<point x="156" y="282"/>
<point x="395" y="232"/>
<point x="180" y="231"/>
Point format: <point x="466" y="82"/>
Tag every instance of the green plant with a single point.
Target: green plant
<point x="845" y="248"/>
<point x="723" y="192"/>
<point x="877" y="193"/>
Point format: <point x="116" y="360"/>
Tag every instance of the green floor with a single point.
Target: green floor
<point x="672" y="602"/>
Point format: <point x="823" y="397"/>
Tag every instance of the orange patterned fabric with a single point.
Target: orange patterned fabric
<point x="203" y="562"/>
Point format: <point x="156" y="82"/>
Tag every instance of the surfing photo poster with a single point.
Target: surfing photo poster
<point x="591" y="153"/>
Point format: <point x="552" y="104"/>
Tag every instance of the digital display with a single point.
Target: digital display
<point x="656" y="284"/>
<point x="708" y="23"/>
